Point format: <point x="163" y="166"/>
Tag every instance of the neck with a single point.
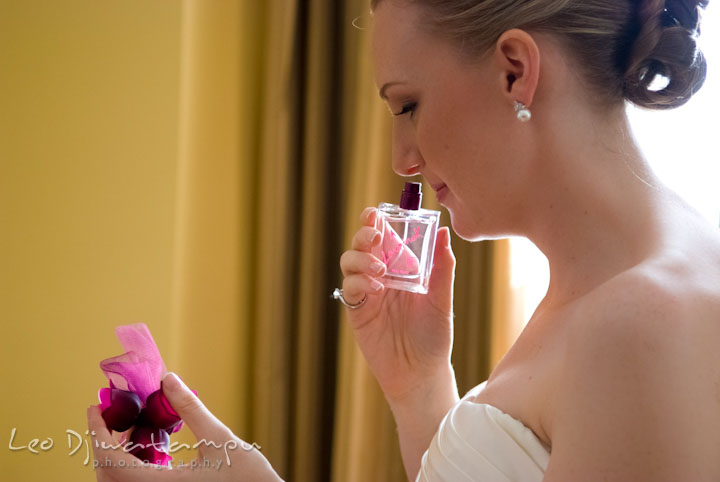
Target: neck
<point x="595" y="204"/>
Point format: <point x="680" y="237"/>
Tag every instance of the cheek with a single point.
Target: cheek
<point x="443" y="134"/>
<point x="458" y="145"/>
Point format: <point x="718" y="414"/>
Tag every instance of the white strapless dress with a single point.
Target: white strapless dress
<point x="476" y="442"/>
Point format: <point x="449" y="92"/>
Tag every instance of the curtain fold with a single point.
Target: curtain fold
<point x="365" y="445"/>
<point x="284" y="141"/>
<point x="319" y="244"/>
<point x="217" y="132"/>
<point x="272" y="222"/>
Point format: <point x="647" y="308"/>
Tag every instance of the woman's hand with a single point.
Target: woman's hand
<point x="405" y="337"/>
<point x="229" y="458"/>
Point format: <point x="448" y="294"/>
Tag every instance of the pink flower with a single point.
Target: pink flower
<point x="141" y="367"/>
<point x="135" y="396"/>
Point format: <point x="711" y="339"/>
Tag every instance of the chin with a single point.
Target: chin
<point x="471" y="230"/>
<point x="465" y="230"/>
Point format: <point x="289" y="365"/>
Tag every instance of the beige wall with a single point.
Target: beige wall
<point x="88" y="144"/>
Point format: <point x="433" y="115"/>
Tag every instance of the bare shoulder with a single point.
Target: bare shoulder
<point x="639" y="394"/>
<point x="665" y="305"/>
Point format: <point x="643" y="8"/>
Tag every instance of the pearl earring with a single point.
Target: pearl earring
<point x="523" y="113"/>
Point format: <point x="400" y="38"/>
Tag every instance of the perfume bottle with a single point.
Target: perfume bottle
<point x="408" y="241"/>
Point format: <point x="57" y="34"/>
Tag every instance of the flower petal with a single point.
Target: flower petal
<point x="141" y="368"/>
<point x="159" y="413"/>
<point x="151" y="444"/>
<point x="104" y="396"/>
<point x="123" y="410"/>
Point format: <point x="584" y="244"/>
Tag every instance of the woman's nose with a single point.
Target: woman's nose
<point x="406" y="158"/>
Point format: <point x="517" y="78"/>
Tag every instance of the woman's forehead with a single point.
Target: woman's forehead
<point x="401" y="48"/>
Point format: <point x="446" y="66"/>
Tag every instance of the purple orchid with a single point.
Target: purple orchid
<point x="135" y="396"/>
<point x="120" y="408"/>
<point x="160" y="413"/>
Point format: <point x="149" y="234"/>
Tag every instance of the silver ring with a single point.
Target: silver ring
<point x="338" y="295"/>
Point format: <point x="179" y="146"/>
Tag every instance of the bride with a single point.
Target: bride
<point x="514" y="112"/>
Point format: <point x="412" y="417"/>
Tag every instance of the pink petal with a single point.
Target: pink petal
<point x="161" y="458"/>
<point x="141" y="368"/>
<point x="104" y="395"/>
<point x="123" y="410"/>
<point x="159" y="413"/>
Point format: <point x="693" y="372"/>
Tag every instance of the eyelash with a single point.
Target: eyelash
<point x="407" y="108"/>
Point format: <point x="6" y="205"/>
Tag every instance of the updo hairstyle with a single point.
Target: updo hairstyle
<point x="642" y="51"/>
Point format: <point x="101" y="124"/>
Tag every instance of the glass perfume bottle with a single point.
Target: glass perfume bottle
<point x="408" y="241"/>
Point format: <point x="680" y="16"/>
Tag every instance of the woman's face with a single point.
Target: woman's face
<point x="451" y="124"/>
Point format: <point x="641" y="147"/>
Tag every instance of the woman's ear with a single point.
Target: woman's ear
<point x="518" y="59"/>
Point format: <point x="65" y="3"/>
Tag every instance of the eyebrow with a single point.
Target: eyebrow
<point x="383" y="95"/>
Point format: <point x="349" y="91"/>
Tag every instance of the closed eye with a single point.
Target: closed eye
<point x="407" y="108"/>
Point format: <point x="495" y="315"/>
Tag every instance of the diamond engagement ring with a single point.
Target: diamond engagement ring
<point x="338" y="295"/>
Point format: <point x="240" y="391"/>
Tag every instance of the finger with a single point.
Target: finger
<point x="357" y="287"/>
<point x="443" y="271"/>
<point x="188" y="406"/>
<point x="367" y="217"/>
<point x="366" y="238"/>
<point x="110" y="458"/>
<point x="103" y="440"/>
<point x="355" y="262"/>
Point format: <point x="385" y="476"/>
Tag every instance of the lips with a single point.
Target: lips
<point x="440" y="191"/>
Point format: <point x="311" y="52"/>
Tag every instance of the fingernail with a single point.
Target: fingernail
<point x="377" y="267"/>
<point x="376" y="285"/>
<point x="374" y="237"/>
<point x="373" y="216"/>
<point x="171" y="382"/>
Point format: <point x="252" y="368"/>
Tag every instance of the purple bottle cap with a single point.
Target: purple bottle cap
<point x="411" y="196"/>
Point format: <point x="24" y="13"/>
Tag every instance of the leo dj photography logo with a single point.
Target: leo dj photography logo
<point x="76" y="442"/>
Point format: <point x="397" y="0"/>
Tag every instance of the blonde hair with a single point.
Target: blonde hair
<point x="620" y="46"/>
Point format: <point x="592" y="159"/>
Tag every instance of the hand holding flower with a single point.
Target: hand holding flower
<point x="246" y="464"/>
<point x="135" y="398"/>
<point x="139" y="400"/>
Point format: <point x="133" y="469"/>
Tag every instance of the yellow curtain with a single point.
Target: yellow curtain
<point x="257" y="233"/>
<point x="218" y="130"/>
